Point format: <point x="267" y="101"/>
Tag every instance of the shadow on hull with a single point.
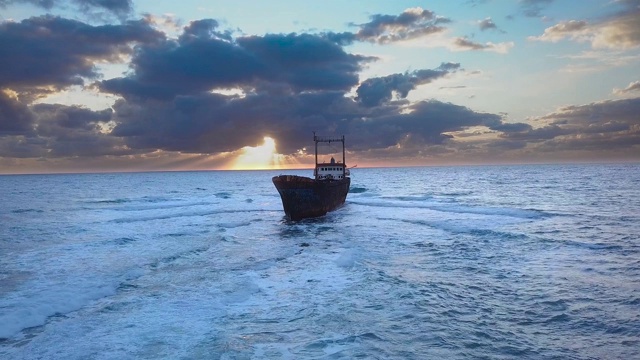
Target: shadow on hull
<point x="303" y="197"/>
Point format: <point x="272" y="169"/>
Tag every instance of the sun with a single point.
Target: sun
<point x="259" y="157"/>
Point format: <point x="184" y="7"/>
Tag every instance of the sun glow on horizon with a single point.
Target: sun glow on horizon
<point x="259" y="157"/>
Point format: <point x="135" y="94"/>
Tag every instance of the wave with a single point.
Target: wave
<point x="160" y="207"/>
<point x="409" y="198"/>
<point x="109" y="201"/>
<point x="121" y="241"/>
<point x="24" y="211"/>
<point x="460" y="209"/>
<point x="454" y="227"/>
<point x="185" y="214"/>
<point x="35" y="310"/>
<point x="144" y="199"/>
<point x="457" y="193"/>
<point x="223" y="195"/>
<point x="232" y="225"/>
<point x="36" y="305"/>
<point x="590" y="246"/>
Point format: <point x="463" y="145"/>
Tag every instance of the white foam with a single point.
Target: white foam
<point x="347" y="259"/>
<point x="455" y="208"/>
<point x="33" y="308"/>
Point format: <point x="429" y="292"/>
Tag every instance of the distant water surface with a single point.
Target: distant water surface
<point x="436" y="262"/>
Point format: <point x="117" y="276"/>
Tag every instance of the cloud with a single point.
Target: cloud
<point x="633" y="87"/>
<point x="305" y="61"/>
<point x="203" y="59"/>
<point x="54" y="130"/>
<point x="601" y="126"/>
<point x="211" y="123"/>
<point x="41" y="55"/>
<point x="120" y="8"/>
<point x="426" y="121"/>
<point x="15" y="117"/>
<point x="533" y="8"/>
<point x="464" y="44"/>
<point x="76" y="131"/>
<point x="573" y="29"/>
<point x="50" y="51"/>
<point x="46" y="54"/>
<point x="290" y="85"/>
<point x="279" y="85"/>
<point x="374" y="91"/>
<point x="411" y="24"/>
<point x="620" y="31"/>
<point x="203" y="29"/>
<point x="487" y="24"/>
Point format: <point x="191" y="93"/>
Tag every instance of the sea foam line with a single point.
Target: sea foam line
<point x="492" y="211"/>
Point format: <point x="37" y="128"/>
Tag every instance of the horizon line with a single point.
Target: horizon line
<point x="96" y="172"/>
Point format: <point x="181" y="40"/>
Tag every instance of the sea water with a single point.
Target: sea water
<point x="435" y="262"/>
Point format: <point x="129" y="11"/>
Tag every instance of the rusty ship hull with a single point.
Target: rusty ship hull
<point x="303" y="197"/>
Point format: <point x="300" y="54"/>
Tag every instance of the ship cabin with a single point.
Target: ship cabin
<point x="331" y="171"/>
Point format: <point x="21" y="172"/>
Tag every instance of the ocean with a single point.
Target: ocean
<point x="466" y="262"/>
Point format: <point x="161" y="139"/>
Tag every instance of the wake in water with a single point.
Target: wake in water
<point x="448" y="262"/>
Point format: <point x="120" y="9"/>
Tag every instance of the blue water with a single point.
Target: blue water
<point x="437" y="262"/>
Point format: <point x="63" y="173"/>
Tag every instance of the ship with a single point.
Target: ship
<point x="305" y="197"/>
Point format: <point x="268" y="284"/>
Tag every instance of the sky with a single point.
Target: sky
<point x="122" y="85"/>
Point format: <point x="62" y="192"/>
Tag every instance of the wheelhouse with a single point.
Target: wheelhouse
<point x="331" y="171"/>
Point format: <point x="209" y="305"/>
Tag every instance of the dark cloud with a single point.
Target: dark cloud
<point x="601" y="126"/>
<point x="64" y="131"/>
<point x="287" y="85"/>
<point x="43" y="54"/>
<point x="22" y="147"/>
<point x="488" y="24"/>
<point x="57" y="52"/>
<point x="342" y="39"/>
<point x="292" y="84"/>
<point x="204" y="29"/>
<point x="412" y="23"/>
<point x="120" y="8"/>
<point x="76" y="131"/>
<point x="212" y="123"/>
<point x="171" y="68"/>
<point x="508" y="128"/>
<point x="201" y="60"/>
<point x="307" y="62"/>
<point x="427" y="122"/>
<point x="15" y="117"/>
<point x="374" y="91"/>
<point x="538" y="134"/>
<point x="464" y="44"/>
<point x="70" y="117"/>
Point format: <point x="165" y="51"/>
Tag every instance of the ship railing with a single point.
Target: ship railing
<point x="328" y="139"/>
